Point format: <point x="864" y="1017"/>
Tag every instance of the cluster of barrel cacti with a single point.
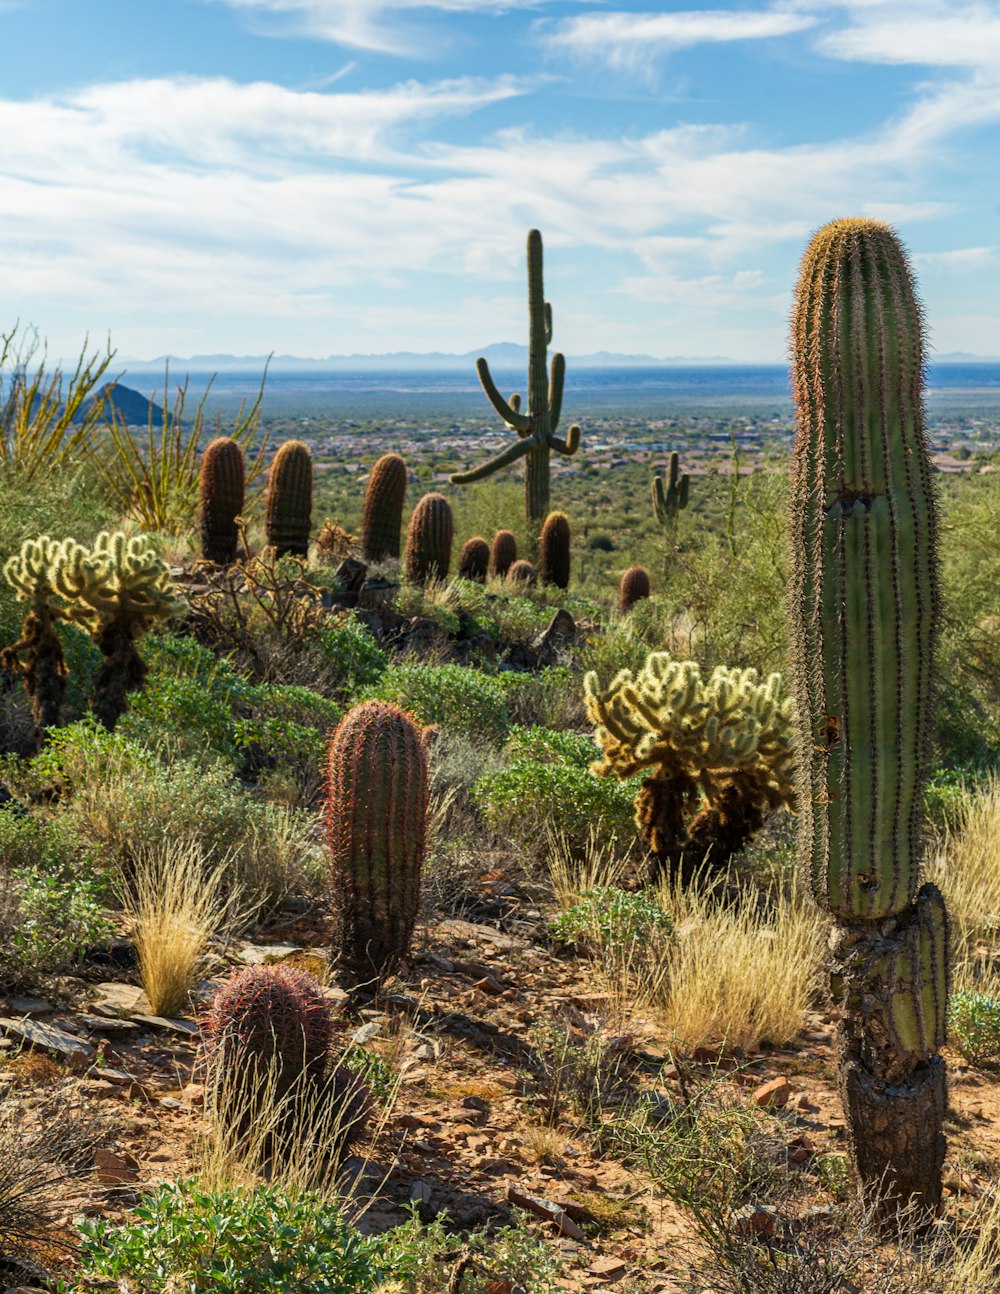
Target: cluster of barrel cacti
<point x="288" y="508"/>
<point x="115" y="591"/>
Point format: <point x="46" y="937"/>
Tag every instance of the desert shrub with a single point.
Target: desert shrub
<point x="518" y="619"/>
<point x="46" y="842"/>
<point x="350" y="658"/>
<point x="57" y="921"/>
<point x="181" y="717"/>
<point x="527" y="798"/>
<point x="974" y="1024"/>
<point x="611" y="920"/>
<point x="548" y="697"/>
<point x="229" y="1241"/>
<point x="547" y="746"/>
<point x="458" y="700"/>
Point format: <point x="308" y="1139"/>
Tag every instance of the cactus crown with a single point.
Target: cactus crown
<point x="503" y="553"/>
<point x="670" y="719"/>
<point x="429" y="539"/>
<point x="30" y="571"/>
<point x="474" y="560"/>
<point x="634" y="587"/>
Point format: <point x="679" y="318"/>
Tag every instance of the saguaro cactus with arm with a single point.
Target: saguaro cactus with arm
<point x="536" y="428"/>
<point x="863" y="602"/>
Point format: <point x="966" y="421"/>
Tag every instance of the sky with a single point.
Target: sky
<point x="318" y="177"/>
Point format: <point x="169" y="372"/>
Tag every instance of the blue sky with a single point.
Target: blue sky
<point x="331" y="176"/>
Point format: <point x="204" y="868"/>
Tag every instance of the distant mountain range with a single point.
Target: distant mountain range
<point x="131" y="406"/>
<point x="501" y="356"/>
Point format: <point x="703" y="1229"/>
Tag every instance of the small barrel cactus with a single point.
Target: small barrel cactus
<point x="376" y="819"/>
<point x="382" y="516"/>
<point x="288" y="518"/>
<point x="503" y="554"/>
<point x="222" y="485"/>
<point x="634" y="587"/>
<point x="266" y="1039"/>
<point x="522" y="572"/>
<point x="553" y="550"/>
<point x="428" y="540"/>
<point x="474" y="560"/>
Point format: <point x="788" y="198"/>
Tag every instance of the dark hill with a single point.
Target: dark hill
<point x="131" y="406"/>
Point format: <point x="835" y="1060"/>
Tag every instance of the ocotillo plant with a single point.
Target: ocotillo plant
<point x="382" y="516"/>
<point x="222" y="485"/>
<point x="536" y="429"/>
<point x="376" y="816"/>
<point x="634" y="587"/>
<point x="288" y="518"/>
<point x="553" y="550"/>
<point x="670" y="493"/>
<point x="38" y="655"/>
<point x="503" y="553"/>
<point x="428" y="540"/>
<point x="474" y="560"/>
<point x="863" y="601"/>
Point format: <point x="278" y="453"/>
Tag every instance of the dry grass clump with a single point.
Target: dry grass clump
<point x="739" y="971"/>
<point x="177" y="905"/>
<point x="966" y="868"/>
<point x="602" y="864"/>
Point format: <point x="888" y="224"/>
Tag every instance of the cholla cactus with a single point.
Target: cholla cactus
<point x="116" y="591"/>
<point x="722" y="749"/>
<point x="38" y="655"/>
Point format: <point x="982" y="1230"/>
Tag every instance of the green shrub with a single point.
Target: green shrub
<point x="546" y="746"/>
<point x="351" y="657"/>
<point x="180" y="717"/>
<point x="525" y="799"/>
<point x="47" y="842"/>
<point x="974" y="1025"/>
<point x="186" y="1240"/>
<point x="549" y="697"/>
<point x="457" y="699"/>
<point x="56" y="922"/>
<point x="611" y="920"/>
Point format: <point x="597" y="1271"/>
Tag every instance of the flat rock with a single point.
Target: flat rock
<point x="547" y="1210"/>
<point x="46" y="1036"/>
<point x="28" y="1005"/>
<point x="267" y="954"/>
<point x="608" y="1268"/>
<point x="107" y="1024"/>
<point x="186" y="1027"/>
<point x="455" y="928"/>
<point x="773" y="1095"/>
<point x="120" y="999"/>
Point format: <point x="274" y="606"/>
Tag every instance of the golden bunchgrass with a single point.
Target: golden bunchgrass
<point x="177" y="904"/>
<point x="739" y="971"/>
<point x="966" y="868"/>
<point x="570" y="875"/>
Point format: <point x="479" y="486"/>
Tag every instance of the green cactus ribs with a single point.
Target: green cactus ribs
<point x="863" y="606"/>
<point x="537" y="427"/>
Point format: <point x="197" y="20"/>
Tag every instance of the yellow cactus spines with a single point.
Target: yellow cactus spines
<point x="38" y="654"/>
<point x="721" y="748"/>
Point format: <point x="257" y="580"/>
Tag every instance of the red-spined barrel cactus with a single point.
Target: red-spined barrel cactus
<point x="428" y="540"/>
<point x="266" y="1037"/>
<point x="863" y="601"/>
<point x="222" y="485"/>
<point x="553" y="550"/>
<point x="503" y="554"/>
<point x="382" y="516"/>
<point x="474" y="560"/>
<point x="522" y="572"/>
<point x="288" y="518"/>
<point x="376" y="822"/>
<point x="634" y="587"/>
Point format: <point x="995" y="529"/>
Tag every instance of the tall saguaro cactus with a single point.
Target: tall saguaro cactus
<point x="670" y="492"/>
<point x="863" y="601"/>
<point x="536" y="428"/>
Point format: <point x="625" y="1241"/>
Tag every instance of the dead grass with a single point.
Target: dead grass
<point x="966" y="868"/>
<point x="602" y="865"/>
<point x="177" y="904"/>
<point x="739" y="971"/>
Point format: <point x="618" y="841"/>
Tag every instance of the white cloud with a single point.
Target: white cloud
<point x="924" y="31"/>
<point x="957" y="258"/>
<point x="632" y="40"/>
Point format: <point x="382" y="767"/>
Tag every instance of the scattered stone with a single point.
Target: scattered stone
<point x="64" y="1046"/>
<point x="351" y="575"/>
<point x="611" y="1269"/>
<point x="96" y="1087"/>
<point x="773" y="1095"/>
<point x="488" y="984"/>
<point x="120" y="1078"/>
<point x="186" y="1027"/>
<point x="756" y="1220"/>
<point x="267" y="954"/>
<point x="28" y="1005"/>
<point x="193" y="1095"/>
<point x="366" y="1033"/>
<point x="115" y="1170"/>
<point x="120" y="999"/>
<point x="557" y="638"/>
<point x="107" y="1024"/>
<point x="420" y="1193"/>
<point x="547" y="1210"/>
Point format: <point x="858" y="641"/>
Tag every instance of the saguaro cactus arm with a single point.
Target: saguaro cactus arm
<point x="506" y="456"/>
<point x="507" y="410"/>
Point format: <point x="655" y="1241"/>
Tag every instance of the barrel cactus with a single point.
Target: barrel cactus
<point x="222" y="485"/>
<point x="863" y="601"/>
<point x="503" y="553"/>
<point x="288" y="518"/>
<point x="382" y="515"/>
<point x="428" y="540"/>
<point x="634" y="587"/>
<point x="522" y="572"/>
<point x="553" y="550"/>
<point x="376" y="816"/>
<point x="474" y="560"/>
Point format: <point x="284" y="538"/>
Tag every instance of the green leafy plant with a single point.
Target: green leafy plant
<point x="457" y="699"/>
<point x="187" y="1240"/>
<point x="611" y="920"/>
<point x="57" y="922"/>
<point x="974" y="1025"/>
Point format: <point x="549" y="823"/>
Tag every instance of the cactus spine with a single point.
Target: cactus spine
<point x="863" y="604"/>
<point x="288" y="519"/>
<point x="474" y="560"/>
<point x="428" y="540"/>
<point x="376" y="815"/>
<point x="222" y="486"/>
<point x="537" y="428"/>
<point x="634" y="587"/>
<point x="670" y="492"/>
<point x="553" y="550"/>
<point x="503" y="553"/>
<point x="38" y="655"/>
<point x="382" y="517"/>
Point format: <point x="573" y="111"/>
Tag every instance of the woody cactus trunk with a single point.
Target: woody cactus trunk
<point x="863" y="602"/>
<point x="536" y="429"/>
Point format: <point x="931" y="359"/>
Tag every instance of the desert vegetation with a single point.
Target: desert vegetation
<point x="410" y="887"/>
